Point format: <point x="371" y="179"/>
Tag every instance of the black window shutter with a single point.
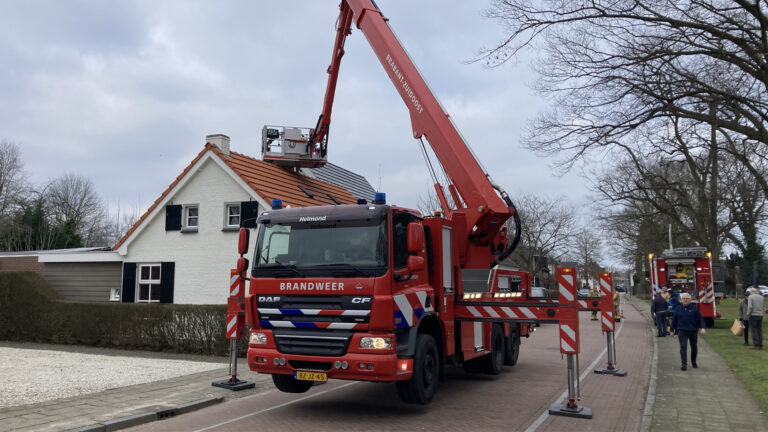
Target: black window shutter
<point x="166" y="282"/>
<point x="173" y="217"/>
<point x="129" y="283"/>
<point x="249" y="211"/>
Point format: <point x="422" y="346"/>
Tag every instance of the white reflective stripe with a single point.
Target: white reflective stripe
<point x="234" y="286"/>
<point x="568" y="278"/>
<point x="422" y="295"/>
<point x="582" y="303"/>
<point x="607" y="321"/>
<point x="343" y="326"/>
<point x="281" y="324"/>
<point x="565" y="292"/>
<point x="491" y="312"/>
<point x="354" y="312"/>
<point x="234" y="280"/>
<point x="268" y="311"/>
<point x="605" y="285"/>
<point x="405" y="308"/>
<point x="527" y="312"/>
<point x="231" y="323"/>
<point x="565" y="346"/>
<point x="568" y="330"/>
<point x="509" y="312"/>
<point x="474" y="311"/>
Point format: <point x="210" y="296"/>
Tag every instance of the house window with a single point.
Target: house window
<point x="191" y="217"/>
<point x="149" y="283"/>
<point x="233" y="216"/>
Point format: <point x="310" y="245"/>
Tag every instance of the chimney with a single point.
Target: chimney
<point x="221" y="141"/>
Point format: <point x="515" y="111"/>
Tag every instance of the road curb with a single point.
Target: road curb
<point x="137" y="419"/>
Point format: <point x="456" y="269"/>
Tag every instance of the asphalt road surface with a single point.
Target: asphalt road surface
<point x="517" y="399"/>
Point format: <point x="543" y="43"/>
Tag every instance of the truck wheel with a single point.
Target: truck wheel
<point x="287" y="384"/>
<point x="512" y="347"/>
<point x="493" y="363"/>
<point x="420" y="389"/>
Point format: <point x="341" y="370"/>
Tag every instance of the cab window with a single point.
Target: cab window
<point x="400" y="223"/>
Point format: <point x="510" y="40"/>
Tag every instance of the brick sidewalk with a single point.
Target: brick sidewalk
<point x="709" y="398"/>
<point x="81" y="411"/>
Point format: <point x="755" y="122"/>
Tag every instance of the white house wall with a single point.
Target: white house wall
<point x="203" y="258"/>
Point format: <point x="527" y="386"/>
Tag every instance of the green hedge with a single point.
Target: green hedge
<point x="31" y="310"/>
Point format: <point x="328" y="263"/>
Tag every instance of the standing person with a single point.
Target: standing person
<point x="685" y="323"/>
<point x="593" y="293"/>
<point x="755" y="312"/>
<point x="659" y="312"/>
<point x="744" y="316"/>
<point x="616" y="306"/>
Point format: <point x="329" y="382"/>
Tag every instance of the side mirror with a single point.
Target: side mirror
<point x="415" y="237"/>
<point x="416" y="263"/>
<point x="242" y="266"/>
<point x="243" y="240"/>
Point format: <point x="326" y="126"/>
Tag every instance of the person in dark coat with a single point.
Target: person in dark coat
<point x="686" y="322"/>
<point x="659" y="312"/>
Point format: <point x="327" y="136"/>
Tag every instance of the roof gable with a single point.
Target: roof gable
<point x="268" y="181"/>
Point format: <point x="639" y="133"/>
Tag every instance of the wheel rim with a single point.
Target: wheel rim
<point x="429" y="370"/>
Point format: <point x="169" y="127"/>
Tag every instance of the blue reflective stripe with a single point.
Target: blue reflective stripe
<point x="301" y="324"/>
<point x="266" y="324"/>
<point x="291" y="312"/>
<point x="403" y="322"/>
<point x="419" y="312"/>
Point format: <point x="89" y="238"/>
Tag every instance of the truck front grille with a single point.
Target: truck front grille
<point x="312" y="342"/>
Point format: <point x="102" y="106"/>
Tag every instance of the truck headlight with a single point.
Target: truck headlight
<point x="376" y="342"/>
<point x="258" y="338"/>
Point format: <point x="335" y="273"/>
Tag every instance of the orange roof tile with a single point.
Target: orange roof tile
<point x="267" y="180"/>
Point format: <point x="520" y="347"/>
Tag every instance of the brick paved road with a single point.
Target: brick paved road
<point x="518" y="399"/>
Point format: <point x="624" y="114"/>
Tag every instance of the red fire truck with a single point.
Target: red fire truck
<point x="686" y="270"/>
<point x="376" y="292"/>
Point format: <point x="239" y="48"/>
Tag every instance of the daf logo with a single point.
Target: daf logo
<point x="361" y="300"/>
<point x="269" y="299"/>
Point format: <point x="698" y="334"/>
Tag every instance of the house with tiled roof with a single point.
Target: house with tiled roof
<point x="182" y="247"/>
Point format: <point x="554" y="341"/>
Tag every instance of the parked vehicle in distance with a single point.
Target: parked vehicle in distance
<point x="539" y="292"/>
<point x="763" y="290"/>
<point x="583" y="292"/>
<point x="620" y="289"/>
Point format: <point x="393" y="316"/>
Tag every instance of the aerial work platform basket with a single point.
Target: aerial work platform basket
<point x="292" y="147"/>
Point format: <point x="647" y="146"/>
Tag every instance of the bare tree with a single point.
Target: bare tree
<point x="12" y="178"/>
<point x="547" y="226"/>
<point x="587" y="250"/>
<point x="73" y="198"/>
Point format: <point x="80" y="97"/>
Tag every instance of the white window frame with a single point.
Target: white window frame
<point x="186" y="217"/>
<point x="227" y="223"/>
<point x="151" y="282"/>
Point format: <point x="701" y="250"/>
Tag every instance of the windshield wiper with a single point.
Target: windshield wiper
<point x="291" y="267"/>
<point x="350" y="266"/>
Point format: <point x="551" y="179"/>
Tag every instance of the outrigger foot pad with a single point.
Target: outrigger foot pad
<point x="615" y="372"/>
<point x="234" y="385"/>
<point x="564" y="410"/>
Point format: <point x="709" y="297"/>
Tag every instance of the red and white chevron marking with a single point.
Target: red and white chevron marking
<point x="710" y="294"/>
<point x="605" y="286"/>
<point x="607" y="320"/>
<point x="567" y="289"/>
<point x="502" y="312"/>
<point x="568" y="342"/>
<point x="234" y="285"/>
<point x="232" y="327"/>
<point x="412" y="306"/>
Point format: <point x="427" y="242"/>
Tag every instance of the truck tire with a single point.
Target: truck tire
<point x="493" y="363"/>
<point x="420" y="389"/>
<point x="287" y="384"/>
<point x="512" y="346"/>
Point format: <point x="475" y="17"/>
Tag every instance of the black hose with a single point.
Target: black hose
<point x="516" y="240"/>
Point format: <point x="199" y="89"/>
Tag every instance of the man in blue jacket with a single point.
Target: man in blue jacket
<point x="659" y="312"/>
<point x="686" y="321"/>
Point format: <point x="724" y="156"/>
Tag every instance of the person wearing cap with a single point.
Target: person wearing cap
<point x="685" y="324"/>
<point x="755" y="312"/>
<point x="744" y="316"/>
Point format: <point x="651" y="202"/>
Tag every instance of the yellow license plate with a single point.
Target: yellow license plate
<point x="311" y="376"/>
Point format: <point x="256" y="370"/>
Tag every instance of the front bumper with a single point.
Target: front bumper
<point x="362" y="364"/>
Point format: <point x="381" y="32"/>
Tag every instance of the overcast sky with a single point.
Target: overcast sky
<point x="124" y="93"/>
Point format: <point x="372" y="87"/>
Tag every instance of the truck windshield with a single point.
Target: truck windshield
<point x="342" y="248"/>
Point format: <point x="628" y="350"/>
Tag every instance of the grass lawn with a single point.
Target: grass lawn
<point x="749" y="366"/>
